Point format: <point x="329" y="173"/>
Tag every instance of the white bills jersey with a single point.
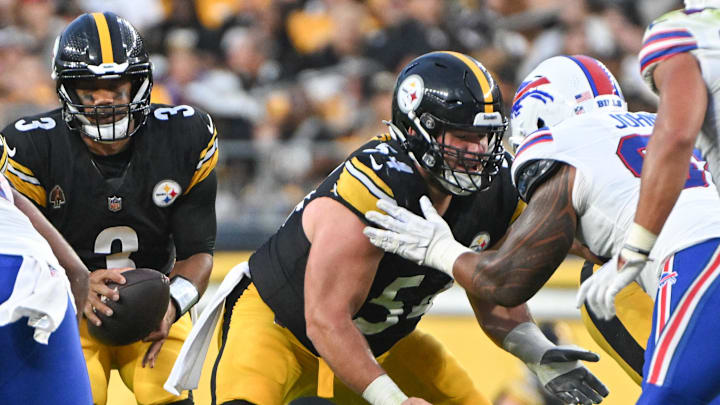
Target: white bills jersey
<point x="17" y="235"/>
<point x="696" y="32"/>
<point x="607" y="150"/>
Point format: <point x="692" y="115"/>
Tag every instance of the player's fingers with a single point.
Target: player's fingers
<point x="90" y="315"/>
<point x="582" y="293"/>
<point x="152" y="353"/>
<point x="104" y="291"/>
<point x="390" y="207"/>
<point x="98" y="305"/>
<point x="596" y="385"/>
<point x="379" y="238"/>
<point x="609" y="303"/>
<point x="387" y="221"/>
<point x="428" y="209"/>
<point x="115" y="275"/>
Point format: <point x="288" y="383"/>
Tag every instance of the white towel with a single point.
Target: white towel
<point x="185" y="374"/>
<point x="41" y="294"/>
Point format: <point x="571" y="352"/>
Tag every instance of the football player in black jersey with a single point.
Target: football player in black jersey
<point x="321" y="301"/>
<point x="128" y="183"/>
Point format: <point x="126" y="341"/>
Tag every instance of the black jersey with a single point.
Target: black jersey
<point x="402" y="291"/>
<point x="129" y="218"/>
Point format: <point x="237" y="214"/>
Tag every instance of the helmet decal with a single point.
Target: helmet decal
<point x="561" y="87"/>
<point x="106" y="47"/>
<point x="597" y="76"/>
<point x="410" y="93"/>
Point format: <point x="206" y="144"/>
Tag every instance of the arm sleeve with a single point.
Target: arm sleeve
<point x="194" y="225"/>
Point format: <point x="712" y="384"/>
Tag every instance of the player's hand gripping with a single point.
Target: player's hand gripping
<point x="560" y="372"/>
<point x="600" y="289"/>
<point x="99" y="292"/>
<point x="427" y="241"/>
<point x="158" y="336"/>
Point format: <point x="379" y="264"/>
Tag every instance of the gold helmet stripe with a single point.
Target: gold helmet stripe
<point x="481" y="78"/>
<point x="104" y="35"/>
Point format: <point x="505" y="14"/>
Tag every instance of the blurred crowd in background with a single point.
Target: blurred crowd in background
<point x="294" y="85"/>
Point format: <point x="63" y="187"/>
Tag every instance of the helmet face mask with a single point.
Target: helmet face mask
<point x="98" y="51"/>
<point x="444" y="96"/>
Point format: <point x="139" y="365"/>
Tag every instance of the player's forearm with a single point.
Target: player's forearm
<point x="664" y="174"/>
<point x="75" y="269"/>
<point x="188" y="281"/>
<point x="536" y="244"/>
<point x="345" y="350"/>
<point x="196" y="269"/>
<point x="497" y="321"/>
<point x="683" y="102"/>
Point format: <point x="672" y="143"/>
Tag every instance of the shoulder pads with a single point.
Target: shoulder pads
<point x="532" y="174"/>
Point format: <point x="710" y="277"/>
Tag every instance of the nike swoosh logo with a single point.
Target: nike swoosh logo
<point x="376" y="166"/>
<point x="11" y="152"/>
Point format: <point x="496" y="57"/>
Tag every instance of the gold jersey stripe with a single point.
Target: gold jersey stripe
<point x="481" y="78"/>
<point x="31" y="191"/>
<point x="355" y="193"/>
<point x="519" y="208"/>
<point x="372" y="176"/>
<point x="22" y="169"/>
<point x="104" y="35"/>
<point x="208" y="161"/>
<point x="382" y="138"/>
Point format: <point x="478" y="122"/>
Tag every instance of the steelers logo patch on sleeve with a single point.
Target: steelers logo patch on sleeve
<point x="165" y="193"/>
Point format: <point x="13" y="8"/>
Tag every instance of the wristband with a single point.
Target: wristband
<point x="527" y="342"/>
<point x="183" y="295"/>
<point x="639" y="243"/>
<point x="383" y="391"/>
<point x="449" y="251"/>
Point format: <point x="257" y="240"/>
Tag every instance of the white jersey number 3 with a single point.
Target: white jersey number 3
<point x="128" y="239"/>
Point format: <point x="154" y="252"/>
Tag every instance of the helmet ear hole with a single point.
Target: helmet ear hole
<point x="540" y="123"/>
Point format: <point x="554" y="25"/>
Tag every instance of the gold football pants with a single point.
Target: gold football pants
<point x="263" y="363"/>
<point x="624" y="337"/>
<point x="145" y="382"/>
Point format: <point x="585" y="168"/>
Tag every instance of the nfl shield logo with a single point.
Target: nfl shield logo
<point x="114" y="203"/>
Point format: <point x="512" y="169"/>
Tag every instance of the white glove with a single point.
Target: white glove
<point x="557" y="367"/>
<point x="427" y="241"/>
<point x="600" y="289"/>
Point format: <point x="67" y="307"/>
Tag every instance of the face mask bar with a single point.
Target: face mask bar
<point x="462" y="172"/>
<point x="87" y="118"/>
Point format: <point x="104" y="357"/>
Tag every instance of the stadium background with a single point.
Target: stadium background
<point x="294" y="85"/>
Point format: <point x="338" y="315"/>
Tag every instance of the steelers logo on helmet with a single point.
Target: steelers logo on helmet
<point x="166" y="192"/>
<point x="410" y="93"/>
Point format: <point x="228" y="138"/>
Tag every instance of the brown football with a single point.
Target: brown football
<point x="143" y="302"/>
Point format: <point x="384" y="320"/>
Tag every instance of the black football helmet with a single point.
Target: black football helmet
<point x="442" y="91"/>
<point x="102" y="46"/>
